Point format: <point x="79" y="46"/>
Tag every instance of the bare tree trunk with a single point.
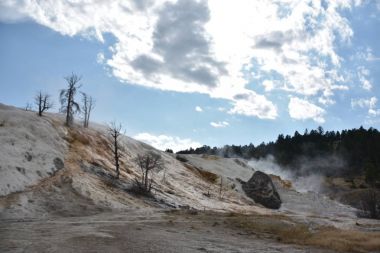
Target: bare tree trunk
<point x="67" y="96"/>
<point x="43" y="102"/>
<point x="85" y="108"/>
<point x="116" y="157"/>
<point x="68" y="108"/>
<point x="88" y="104"/>
<point x="40" y="105"/>
<point x="148" y="162"/>
<point x="146" y="179"/>
<point x="116" y="148"/>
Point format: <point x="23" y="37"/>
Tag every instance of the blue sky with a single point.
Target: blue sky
<point x="185" y="73"/>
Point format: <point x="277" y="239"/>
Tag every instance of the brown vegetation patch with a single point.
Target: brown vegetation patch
<point x="210" y="157"/>
<point x="208" y="176"/>
<point x="240" y="163"/>
<point x="56" y="123"/>
<point x="346" y="240"/>
<point x="101" y="141"/>
<point x="284" y="183"/>
<point x="287" y="231"/>
<point x="204" y="174"/>
<point x="76" y="136"/>
<point x="282" y="228"/>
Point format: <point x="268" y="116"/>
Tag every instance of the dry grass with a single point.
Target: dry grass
<point x="240" y="163"/>
<point x="284" y="229"/>
<point x="208" y="176"/>
<point x="203" y="174"/>
<point x="284" y="183"/>
<point x="346" y="240"/>
<point x="76" y="136"/>
<point x="210" y="157"/>
<point x="287" y="231"/>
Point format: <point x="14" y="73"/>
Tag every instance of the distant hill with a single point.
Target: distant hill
<point x="344" y="153"/>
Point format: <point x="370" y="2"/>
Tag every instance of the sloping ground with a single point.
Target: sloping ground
<point x="84" y="172"/>
<point x="314" y="208"/>
<point x="31" y="149"/>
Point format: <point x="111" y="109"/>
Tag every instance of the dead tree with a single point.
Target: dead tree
<point x="147" y="163"/>
<point x="28" y="107"/>
<point x="43" y="102"/>
<point x="67" y="98"/>
<point x="88" y="104"/>
<point x="114" y="131"/>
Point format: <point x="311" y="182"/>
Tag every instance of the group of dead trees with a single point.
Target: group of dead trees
<point x="69" y="104"/>
<point x="147" y="163"/>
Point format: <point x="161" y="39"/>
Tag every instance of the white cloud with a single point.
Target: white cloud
<point x="252" y="104"/>
<point x="164" y="142"/>
<point x="301" y="109"/>
<point x="198" y="109"/>
<point x="190" y="46"/>
<point x="100" y="58"/>
<point x="370" y="56"/>
<point x="373" y="58"/>
<point x="369" y="104"/>
<point x="363" y="74"/>
<point x="326" y="101"/>
<point x="366" y="54"/>
<point x="219" y="124"/>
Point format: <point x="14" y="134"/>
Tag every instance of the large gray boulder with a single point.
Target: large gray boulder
<point x="261" y="189"/>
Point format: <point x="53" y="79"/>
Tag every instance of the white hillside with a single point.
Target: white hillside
<point x="31" y="148"/>
<point x="49" y="167"/>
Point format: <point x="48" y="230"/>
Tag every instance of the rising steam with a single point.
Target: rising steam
<point x="302" y="183"/>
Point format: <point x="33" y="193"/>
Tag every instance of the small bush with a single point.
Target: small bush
<point x="181" y="158"/>
<point x="208" y="176"/>
<point x="138" y="189"/>
<point x="204" y="174"/>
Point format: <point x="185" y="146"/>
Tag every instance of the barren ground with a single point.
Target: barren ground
<point x="151" y="230"/>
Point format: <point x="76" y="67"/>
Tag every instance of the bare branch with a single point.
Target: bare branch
<point x="28" y="107"/>
<point x="43" y="102"/>
<point x="114" y="132"/>
<point x="147" y="163"/>
<point x="88" y="104"/>
<point x="67" y="98"/>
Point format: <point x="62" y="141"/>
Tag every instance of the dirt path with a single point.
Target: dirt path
<point x="136" y="231"/>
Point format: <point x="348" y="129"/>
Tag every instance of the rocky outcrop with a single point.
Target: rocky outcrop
<point x="262" y="190"/>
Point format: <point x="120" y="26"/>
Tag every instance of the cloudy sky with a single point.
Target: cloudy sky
<point x="183" y="73"/>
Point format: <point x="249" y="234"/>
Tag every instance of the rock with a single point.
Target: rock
<point x="58" y="163"/>
<point x="262" y="190"/>
<point x="21" y="170"/>
<point x="28" y="156"/>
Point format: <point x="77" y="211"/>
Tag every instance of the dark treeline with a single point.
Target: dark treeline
<point x="348" y="152"/>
